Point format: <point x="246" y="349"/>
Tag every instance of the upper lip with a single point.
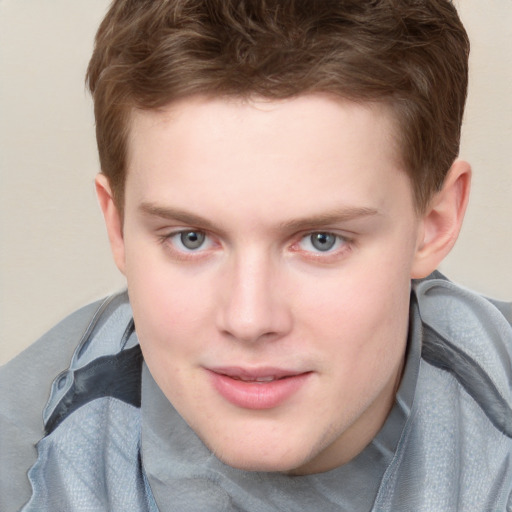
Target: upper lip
<point x="238" y="372"/>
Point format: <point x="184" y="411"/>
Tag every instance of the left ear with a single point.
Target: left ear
<point x="441" y="223"/>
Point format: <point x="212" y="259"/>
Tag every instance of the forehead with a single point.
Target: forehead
<point x="264" y="148"/>
<point x="309" y="114"/>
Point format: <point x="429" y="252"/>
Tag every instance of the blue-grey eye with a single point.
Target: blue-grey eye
<point x="192" y="239"/>
<point x="323" y="241"/>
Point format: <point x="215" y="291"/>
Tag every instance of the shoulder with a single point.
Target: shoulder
<point x="458" y="437"/>
<point x="30" y="374"/>
<point x="469" y="337"/>
<point x="27" y="382"/>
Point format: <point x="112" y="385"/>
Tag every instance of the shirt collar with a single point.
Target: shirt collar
<point x="185" y="475"/>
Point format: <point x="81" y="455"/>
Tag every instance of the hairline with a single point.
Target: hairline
<point x="384" y="102"/>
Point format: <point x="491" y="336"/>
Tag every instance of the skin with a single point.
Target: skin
<point x="257" y="178"/>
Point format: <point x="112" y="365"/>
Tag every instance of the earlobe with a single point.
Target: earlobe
<point x="113" y="220"/>
<point x="442" y="220"/>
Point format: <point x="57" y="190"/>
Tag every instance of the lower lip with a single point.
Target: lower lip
<point x="257" y="395"/>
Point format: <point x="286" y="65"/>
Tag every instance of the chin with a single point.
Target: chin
<point x="257" y="465"/>
<point x="275" y="462"/>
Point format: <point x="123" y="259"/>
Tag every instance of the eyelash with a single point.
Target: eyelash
<point x="344" y="246"/>
<point x="183" y="254"/>
<point x="318" y="256"/>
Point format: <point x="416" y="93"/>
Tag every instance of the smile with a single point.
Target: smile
<point x="260" y="389"/>
<point x="259" y="379"/>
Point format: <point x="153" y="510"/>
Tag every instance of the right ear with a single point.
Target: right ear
<point x="113" y="220"/>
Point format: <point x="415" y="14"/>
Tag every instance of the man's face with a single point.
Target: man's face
<point x="268" y="248"/>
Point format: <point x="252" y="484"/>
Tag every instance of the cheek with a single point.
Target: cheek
<point x="163" y="296"/>
<point x="170" y="311"/>
<point x="169" y="320"/>
<point x="360" y="319"/>
<point x="356" y="301"/>
<point x="166" y="311"/>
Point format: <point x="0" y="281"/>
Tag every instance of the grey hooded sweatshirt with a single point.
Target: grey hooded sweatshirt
<point x="84" y="427"/>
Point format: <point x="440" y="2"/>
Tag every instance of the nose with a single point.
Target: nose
<point x="252" y="304"/>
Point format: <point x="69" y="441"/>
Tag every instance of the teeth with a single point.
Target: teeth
<point x="257" y="379"/>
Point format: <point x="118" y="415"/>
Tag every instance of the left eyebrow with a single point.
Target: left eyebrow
<point x="327" y="219"/>
<point x="318" y="221"/>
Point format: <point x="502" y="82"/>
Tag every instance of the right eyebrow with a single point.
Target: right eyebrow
<point x="175" y="214"/>
<point x="307" y="223"/>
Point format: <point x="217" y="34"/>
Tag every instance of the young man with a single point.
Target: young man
<point x="275" y="175"/>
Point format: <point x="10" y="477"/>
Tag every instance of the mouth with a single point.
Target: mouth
<point x="264" y="388"/>
<point x="270" y="378"/>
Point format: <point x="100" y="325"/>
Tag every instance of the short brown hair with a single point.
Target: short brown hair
<point x="411" y="54"/>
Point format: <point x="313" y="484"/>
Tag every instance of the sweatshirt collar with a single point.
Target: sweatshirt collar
<point x="184" y="475"/>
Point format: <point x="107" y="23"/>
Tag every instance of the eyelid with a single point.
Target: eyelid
<point x="338" y="238"/>
<point x="344" y="246"/>
<point x="167" y="239"/>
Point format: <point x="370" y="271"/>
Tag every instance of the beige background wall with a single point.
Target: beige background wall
<point x="54" y="255"/>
